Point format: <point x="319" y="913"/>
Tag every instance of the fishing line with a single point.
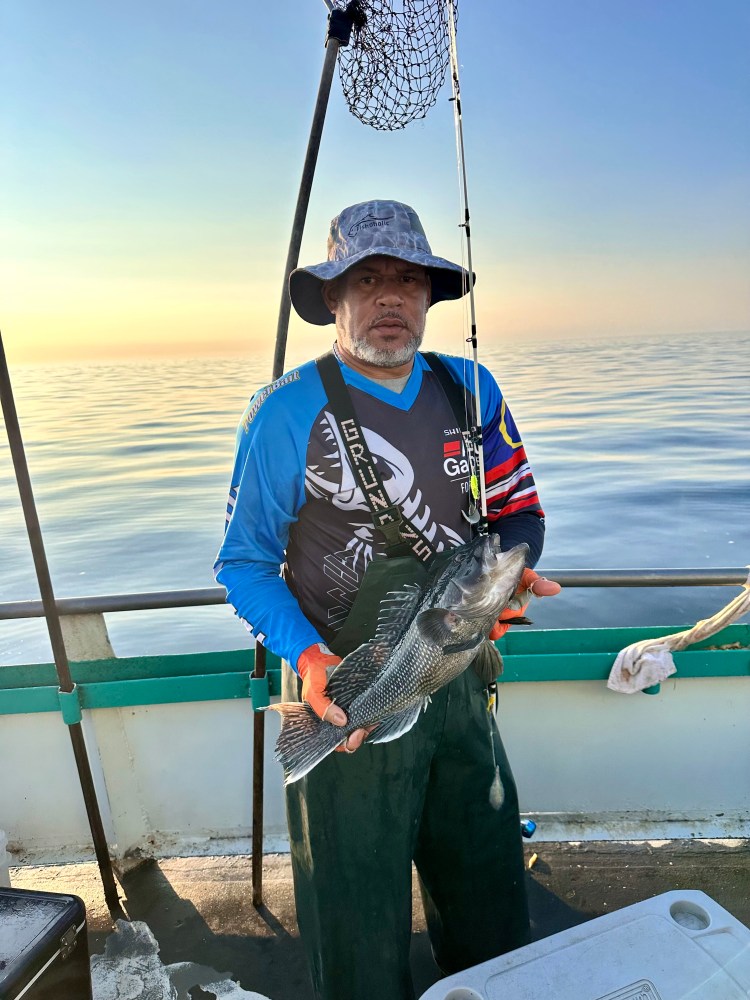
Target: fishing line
<point x="473" y="514"/>
<point x="478" y="486"/>
<point x="468" y="418"/>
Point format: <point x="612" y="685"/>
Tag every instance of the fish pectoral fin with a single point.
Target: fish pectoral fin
<point x="461" y="647"/>
<point x="518" y="620"/>
<point x="438" y="625"/>
<point x="396" y="725"/>
<point x="488" y="663"/>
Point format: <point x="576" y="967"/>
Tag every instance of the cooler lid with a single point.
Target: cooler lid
<point x="26" y="919"/>
<point x="670" y="947"/>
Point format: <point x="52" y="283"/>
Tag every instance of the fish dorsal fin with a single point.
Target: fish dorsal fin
<point x="395" y="613"/>
<point x="437" y="625"/>
<point x="356" y="672"/>
<point x="396" y="725"/>
<point x="360" y="668"/>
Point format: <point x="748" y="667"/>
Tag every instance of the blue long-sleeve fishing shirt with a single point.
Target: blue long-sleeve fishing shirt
<point x="298" y="532"/>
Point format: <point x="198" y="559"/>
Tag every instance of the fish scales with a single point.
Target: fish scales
<point x="425" y="637"/>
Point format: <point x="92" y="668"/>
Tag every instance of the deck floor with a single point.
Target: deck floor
<point x="200" y="908"/>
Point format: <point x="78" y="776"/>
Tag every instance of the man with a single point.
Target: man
<point x="300" y="500"/>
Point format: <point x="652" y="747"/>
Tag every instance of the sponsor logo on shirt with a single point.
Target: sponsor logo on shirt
<point x="455" y="457"/>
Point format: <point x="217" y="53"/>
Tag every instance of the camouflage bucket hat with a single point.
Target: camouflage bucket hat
<point x="369" y="229"/>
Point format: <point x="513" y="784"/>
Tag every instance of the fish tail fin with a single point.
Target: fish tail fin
<point x="304" y="739"/>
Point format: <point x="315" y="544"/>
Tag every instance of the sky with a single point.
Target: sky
<point x="150" y="156"/>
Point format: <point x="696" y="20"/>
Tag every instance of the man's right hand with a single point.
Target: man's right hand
<point x="313" y="665"/>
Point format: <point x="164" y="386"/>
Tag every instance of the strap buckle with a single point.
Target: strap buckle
<point x="389" y="521"/>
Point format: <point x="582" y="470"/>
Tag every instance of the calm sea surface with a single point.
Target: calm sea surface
<point x="641" y="451"/>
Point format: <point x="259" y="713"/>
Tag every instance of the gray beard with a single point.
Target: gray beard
<point x="385" y="357"/>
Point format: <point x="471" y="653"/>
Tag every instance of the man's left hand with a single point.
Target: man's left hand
<point x="531" y="584"/>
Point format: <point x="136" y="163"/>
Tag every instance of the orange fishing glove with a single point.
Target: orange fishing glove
<point x="312" y="666"/>
<point x="520" y="601"/>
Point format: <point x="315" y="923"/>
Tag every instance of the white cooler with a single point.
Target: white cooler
<point x="677" y="946"/>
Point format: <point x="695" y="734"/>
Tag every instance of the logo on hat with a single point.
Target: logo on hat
<point x="369" y="221"/>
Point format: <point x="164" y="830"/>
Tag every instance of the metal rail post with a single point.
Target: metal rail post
<point x="259" y="736"/>
<point x="56" y="637"/>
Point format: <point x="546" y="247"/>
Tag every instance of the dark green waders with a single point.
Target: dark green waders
<point x="356" y="821"/>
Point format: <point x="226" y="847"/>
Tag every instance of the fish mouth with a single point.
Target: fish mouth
<point x="487" y="577"/>
<point x="492" y="555"/>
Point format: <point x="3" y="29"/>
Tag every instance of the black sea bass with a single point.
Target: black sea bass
<point x="426" y="636"/>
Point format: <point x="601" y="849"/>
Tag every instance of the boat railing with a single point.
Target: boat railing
<point x="200" y="597"/>
<point x="188" y="693"/>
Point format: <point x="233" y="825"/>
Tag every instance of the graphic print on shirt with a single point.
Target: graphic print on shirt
<point x="331" y="478"/>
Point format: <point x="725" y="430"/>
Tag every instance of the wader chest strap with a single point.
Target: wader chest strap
<point x="462" y="402"/>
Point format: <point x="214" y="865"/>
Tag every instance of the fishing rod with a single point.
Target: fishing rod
<point x="68" y="695"/>
<point x="478" y="484"/>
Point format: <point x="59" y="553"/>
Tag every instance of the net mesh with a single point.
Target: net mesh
<point x="396" y="61"/>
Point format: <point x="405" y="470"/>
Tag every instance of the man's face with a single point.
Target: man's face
<point x="380" y="307"/>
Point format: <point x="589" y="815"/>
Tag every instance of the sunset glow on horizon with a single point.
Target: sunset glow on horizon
<point x="153" y="156"/>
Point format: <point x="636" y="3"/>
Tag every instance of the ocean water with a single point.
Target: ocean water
<point x="640" y="449"/>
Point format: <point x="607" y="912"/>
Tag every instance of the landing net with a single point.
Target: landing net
<point x="396" y="61"/>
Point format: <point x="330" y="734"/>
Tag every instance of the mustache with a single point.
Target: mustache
<point x="391" y="314"/>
